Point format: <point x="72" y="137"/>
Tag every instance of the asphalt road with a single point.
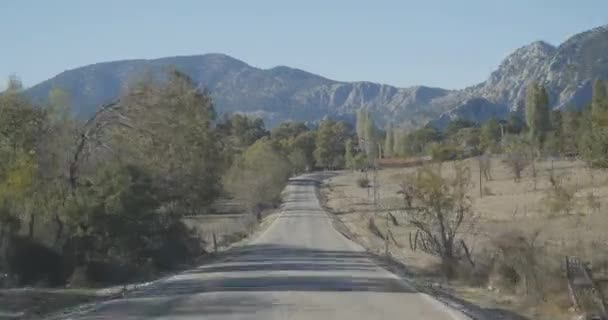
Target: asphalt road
<point x="298" y="268"/>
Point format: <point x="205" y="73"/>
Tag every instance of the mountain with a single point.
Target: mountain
<point x="282" y="93"/>
<point x="566" y="71"/>
<point x="276" y="94"/>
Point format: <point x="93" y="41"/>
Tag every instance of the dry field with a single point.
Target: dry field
<point x="506" y="207"/>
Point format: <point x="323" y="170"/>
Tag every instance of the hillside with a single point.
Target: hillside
<point x="282" y="93"/>
<point x="276" y="94"/>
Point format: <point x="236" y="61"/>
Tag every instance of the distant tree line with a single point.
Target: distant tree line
<point x="564" y="132"/>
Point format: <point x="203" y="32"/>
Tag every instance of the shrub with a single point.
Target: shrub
<point x="109" y="271"/>
<point x="371" y="224"/>
<point x="444" y="152"/>
<point x="363" y="182"/>
<point x="517" y="266"/>
<point x="33" y="263"/>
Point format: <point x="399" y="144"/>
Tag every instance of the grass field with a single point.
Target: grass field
<point x="506" y="207"/>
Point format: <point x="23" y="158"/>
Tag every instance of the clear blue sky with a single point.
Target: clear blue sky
<point x="449" y="43"/>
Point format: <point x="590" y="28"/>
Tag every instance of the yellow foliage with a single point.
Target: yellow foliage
<point x="19" y="177"/>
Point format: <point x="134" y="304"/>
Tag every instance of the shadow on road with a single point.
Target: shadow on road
<point x="282" y="268"/>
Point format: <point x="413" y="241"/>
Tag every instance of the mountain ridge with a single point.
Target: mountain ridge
<point x="283" y="93"/>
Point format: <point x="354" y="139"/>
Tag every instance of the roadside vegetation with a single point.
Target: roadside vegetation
<point x="493" y="208"/>
<point x="115" y="198"/>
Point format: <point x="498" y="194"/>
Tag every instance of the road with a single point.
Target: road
<point x="300" y="267"/>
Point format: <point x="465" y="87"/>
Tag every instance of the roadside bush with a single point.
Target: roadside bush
<point x="33" y="263"/>
<point x="109" y="271"/>
<point x="363" y="182"/>
<point x="371" y="224"/>
<point x="178" y="246"/>
<point x="258" y="176"/>
<point x="518" y="264"/>
<point x="444" y="152"/>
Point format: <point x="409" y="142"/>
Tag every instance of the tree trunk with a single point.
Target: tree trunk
<point x="31" y="225"/>
<point x="59" y="232"/>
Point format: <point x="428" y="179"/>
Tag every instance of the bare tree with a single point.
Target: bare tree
<point x="440" y="205"/>
<point x="517" y="157"/>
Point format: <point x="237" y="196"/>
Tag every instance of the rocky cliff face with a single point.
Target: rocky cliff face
<point x="284" y="93"/>
<point x="566" y="71"/>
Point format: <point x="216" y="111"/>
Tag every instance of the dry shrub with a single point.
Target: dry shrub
<point x="487" y="191"/>
<point x="559" y="199"/>
<point x="477" y="274"/>
<point x="516" y="266"/>
<point x="374" y="228"/>
<point x="363" y="182"/>
<point x="593" y="203"/>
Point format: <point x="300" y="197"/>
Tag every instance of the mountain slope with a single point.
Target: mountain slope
<point x="283" y="93"/>
<point x="276" y="94"/>
<point x="567" y="73"/>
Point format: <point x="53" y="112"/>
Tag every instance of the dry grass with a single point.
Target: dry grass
<point x="505" y="207"/>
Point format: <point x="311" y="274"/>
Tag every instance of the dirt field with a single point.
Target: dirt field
<point x="506" y="207"/>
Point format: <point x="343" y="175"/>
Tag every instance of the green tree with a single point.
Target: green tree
<point x="599" y="124"/>
<point x="349" y="154"/>
<point x="489" y="135"/>
<point x="570" y="127"/>
<point x="259" y="175"/>
<point x="537" y="114"/>
<point x="305" y="142"/>
<point x="330" y="141"/>
<point x="515" y="124"/>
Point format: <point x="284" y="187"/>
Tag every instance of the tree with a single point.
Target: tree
<point x="400" y="143"/>
<point x="438" y="208"/>
<point x="570" y="127"/>
<point x="330" y="140"/>
<point x="389" y="142"/>
<point x="515" y="125"/>
<point x="175" y="139"/>
<point x="599" y="124"/>
<point x="237" y="132"/>
<point x="258" y="176"/>
<point x="517" y="156"/>
<point x="349" y="154"/>
<point x="367" y="134"/>
<point x="490" y="135"/>
<point x="418" y="140"/>
<point x="537" y="114"/>
<point x="456" y="125"/>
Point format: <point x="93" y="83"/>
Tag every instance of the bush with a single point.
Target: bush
<point x="518" y="264"/>
<point x="34" y="263"/>
<point x="371" y="224"/>
<point x="363" y="182"/>
<point x="179" y="246"/>
<point x="110" y="272"/>
<point x="445" y="152"/>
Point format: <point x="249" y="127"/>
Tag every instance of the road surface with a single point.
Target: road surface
<point x="298" y="268"/>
